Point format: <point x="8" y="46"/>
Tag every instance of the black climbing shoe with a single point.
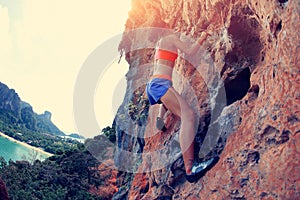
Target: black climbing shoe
<point x="160" y="125"/>
<point x="199" y="169"/>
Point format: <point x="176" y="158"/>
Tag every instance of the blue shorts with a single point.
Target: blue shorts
<point x="156" y="88"/>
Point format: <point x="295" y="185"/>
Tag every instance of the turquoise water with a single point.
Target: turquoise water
<point x="12" y="150"/>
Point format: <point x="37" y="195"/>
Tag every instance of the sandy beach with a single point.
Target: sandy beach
<point x="26" y="145"/>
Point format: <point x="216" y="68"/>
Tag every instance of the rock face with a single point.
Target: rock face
<point x="108" y="188"/>
<point x="248" y="104"/>
<point x="9" y="99"/>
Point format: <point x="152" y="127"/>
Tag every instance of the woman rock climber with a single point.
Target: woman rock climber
<point x="160" y="91"/>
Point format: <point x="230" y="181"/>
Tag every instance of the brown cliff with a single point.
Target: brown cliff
<point x="108" y="187"/>
<point x="254" y="51"/>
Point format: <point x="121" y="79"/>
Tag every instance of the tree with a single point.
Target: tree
<point x="3" y="163"/>
<point x="110" y="133"/>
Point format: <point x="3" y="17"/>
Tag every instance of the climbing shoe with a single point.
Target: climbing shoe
<point x="160" y="125"/>
<point x="199" y="169"/>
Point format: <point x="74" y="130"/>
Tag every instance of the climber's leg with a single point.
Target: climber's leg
<point x="178" y="106"/>
<point x="160" y="124"/>
<point x="162" y="110"/>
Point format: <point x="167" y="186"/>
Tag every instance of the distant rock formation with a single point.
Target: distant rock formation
<point x="47" y="115"/>
<point x="15" y="112"/>
<point x="254" y="51"/>
<point x="3" y="192"/>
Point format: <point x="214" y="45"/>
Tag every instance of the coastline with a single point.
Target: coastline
<point x="26" y="145"/>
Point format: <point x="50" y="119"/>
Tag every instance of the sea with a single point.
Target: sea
<point x="14" y="151"/>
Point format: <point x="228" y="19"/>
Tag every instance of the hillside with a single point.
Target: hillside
<point x="18" y="120"/>
<point x="16" y="113"/>
<point x="244" y="86"/>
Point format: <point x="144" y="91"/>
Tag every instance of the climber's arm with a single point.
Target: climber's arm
<point x="186" y="48"/>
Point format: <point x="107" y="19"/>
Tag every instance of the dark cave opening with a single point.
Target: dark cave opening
<point x="283" y="1"/>
<point x="244" y="30"/>
<point x="278" y="29"/>
<point x="238" y="87"/>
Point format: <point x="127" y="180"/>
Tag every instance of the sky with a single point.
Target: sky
<point x="43" y="45"/>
